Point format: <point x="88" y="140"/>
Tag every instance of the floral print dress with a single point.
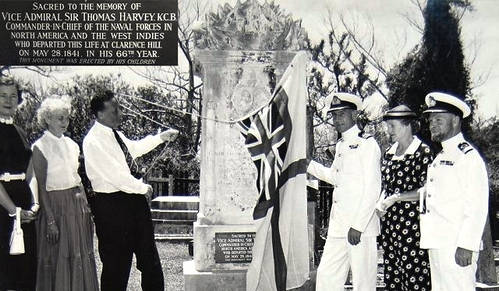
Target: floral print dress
<point x="406" y="265"/>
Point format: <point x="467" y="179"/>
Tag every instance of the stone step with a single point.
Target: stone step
<point x="175" y="238"/>
<point x="183" y="215"/>
<point x="176" y="202"/>
<point x="173" y="221"/>
<point x="172" y="228"/>
<point x="173" y="217"/>
<point x="485" y="287"/>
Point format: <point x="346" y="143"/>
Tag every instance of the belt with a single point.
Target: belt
<point x="7" y="177"/>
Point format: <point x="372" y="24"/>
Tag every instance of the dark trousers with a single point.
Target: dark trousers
<point x="124" y="227"/>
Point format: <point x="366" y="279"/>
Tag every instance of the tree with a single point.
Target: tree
<point x="45" y="71"/>
<point x="183" y="88"/>
<point x="459" y="8"/>
<point x="149" y="110"/>
<point x="338" y="67"/>
<point x="438" y="64"/>
<point x="485" y="135"/>
<point x="140" y="118"/>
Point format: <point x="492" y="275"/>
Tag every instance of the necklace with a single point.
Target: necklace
<point x="6" y="120"/>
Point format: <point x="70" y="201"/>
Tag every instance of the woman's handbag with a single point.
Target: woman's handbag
<point x="17" y="237"/>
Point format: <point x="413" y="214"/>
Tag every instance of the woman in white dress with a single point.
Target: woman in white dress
<point x="65" y="231"/>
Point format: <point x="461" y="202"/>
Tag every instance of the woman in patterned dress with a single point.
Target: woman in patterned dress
<point x="403" y="171"/>
<point x="65" y="230"/>
<point x="17" y="272"/>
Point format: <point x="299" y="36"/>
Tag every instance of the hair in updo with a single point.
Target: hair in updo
<point x="49" y="106"/>
<point x="10" y="81"/>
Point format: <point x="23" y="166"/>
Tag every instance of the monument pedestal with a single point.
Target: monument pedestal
<point x="227" y="280"/>
<point x="240" y="56"/>
<point x="222" y="247"/>
<point x="236" y="83"/>
<point x="231" y="276"/>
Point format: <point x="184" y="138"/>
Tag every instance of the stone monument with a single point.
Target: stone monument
<point x="240" y="53"/>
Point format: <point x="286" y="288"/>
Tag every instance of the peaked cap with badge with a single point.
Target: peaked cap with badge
<point x="438" y="102"/>
<point x="339" y="101"/>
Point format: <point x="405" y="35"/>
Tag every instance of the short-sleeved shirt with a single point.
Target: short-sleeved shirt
<point x="62" y="155"/>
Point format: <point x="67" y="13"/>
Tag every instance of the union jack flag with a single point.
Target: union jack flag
<point x="267" y="134"/>
<point x="275" y="137"/>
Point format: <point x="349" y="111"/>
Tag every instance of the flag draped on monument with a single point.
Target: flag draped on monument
<point x="276" y="137"/>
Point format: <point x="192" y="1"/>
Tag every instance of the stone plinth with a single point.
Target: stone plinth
<point x="236" y="83"/>
<point x="227" y="280"/>
<point x="241" y="54"/>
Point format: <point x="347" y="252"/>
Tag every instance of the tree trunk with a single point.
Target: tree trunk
<point x="486" y="272"/>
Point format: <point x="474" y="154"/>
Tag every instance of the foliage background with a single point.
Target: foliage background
<point x="340" y="62"/>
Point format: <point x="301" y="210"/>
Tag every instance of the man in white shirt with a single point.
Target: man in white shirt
<point x="120" y="206"/>
<point x="454" y="204"/>
<point x="353" y="226"/>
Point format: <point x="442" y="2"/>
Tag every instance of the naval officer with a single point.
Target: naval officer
<point x="455" y="199"/>
<point x="353" y="227"/>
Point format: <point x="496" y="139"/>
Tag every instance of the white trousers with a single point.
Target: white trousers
<point x="447" y="275"/>
<point x="337" y="259"/>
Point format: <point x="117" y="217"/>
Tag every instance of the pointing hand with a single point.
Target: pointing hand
<point x="169" y="135"/>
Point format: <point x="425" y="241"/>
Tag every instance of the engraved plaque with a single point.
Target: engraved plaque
<point x="234" y="247"/>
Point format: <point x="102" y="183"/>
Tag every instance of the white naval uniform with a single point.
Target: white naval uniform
<point x="355" y="175"/>
<point x="454" y="213"/>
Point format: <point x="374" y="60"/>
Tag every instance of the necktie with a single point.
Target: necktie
<point x="134" y="168"/>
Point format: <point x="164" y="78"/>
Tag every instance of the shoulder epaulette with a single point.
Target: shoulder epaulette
<point x="465" y="147"/>
<point x="365" y="135"/>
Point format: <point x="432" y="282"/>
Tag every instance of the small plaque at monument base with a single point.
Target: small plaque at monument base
<point x="234" y="247"/>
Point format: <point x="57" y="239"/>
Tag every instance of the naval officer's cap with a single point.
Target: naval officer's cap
<point x="443" y="102"/>
<point x="340" y="101"/>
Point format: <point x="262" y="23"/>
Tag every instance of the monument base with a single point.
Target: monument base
<point x="208" y="256"/>
<point x="487" y="287"/>
<point x="226" y="280"/>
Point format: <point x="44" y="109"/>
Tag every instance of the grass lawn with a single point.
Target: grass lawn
<point x="172" y="256"/>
